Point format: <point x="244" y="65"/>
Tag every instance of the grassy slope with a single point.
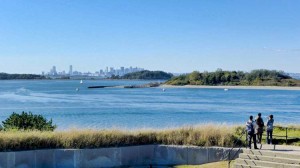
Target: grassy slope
<point x="293" y="133"/>
<point x="204" y="135"/>
<point x="223" y="164"/>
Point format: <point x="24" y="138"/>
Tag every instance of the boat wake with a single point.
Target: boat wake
<point x="23" y="91"/>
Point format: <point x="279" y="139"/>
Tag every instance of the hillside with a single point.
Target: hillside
<point x="148" y="75"/>
<point x="234" y="78"/>
<point x="5" y="76"/>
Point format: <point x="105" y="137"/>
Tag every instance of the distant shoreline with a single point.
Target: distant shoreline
<point x="233" y="87"/>
<point x="86" y="79"/>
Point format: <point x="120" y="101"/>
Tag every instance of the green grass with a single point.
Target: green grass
<point x="222" y="164"/>
<point x="202" y="135"/>
<point x="293" y="132"/>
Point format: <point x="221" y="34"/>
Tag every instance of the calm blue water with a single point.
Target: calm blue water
<point x="142" y="108"/>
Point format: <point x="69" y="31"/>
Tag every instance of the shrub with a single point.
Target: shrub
<point x="28" y="121"/>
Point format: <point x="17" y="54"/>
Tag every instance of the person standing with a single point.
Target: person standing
<point x="250" y="125"/>
<point x="260" y="128"/>
<point x="270" y="129"/>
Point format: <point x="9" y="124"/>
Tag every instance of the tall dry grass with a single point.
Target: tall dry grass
<point x="204" y="135"/>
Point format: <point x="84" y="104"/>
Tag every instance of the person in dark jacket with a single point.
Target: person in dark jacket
<point x="260" y="127"/>
<point x="250" y="125"/>
<point x="270" y="129"/>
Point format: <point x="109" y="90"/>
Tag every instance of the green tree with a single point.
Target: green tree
<point x="5" y="76"/>
<point x="148" y="75"/>
<point x="194" y="76"/>
<point x="28" y="121"/>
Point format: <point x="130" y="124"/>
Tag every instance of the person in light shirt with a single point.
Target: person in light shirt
<point x="250" y="126"/>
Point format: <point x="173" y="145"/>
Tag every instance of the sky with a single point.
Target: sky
<point x="170" y="35"/>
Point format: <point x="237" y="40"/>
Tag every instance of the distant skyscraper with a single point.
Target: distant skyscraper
<point x="106" y="71"/>
<point x="111" y="70"/>
<point x="54" y="72"/>
<point x="122" y="71"/>
<point x="71" y="70"/>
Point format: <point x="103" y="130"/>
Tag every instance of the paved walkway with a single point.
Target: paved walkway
<point x="280" y="148"/>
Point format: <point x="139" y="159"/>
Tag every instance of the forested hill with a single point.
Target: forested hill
<point x="254" y="78"/>
<point x="5" y="76"/>
<point x="148" y="75"/>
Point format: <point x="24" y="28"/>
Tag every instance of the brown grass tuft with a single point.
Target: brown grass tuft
<point x="203" y="135"/>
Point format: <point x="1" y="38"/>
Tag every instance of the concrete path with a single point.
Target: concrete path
<point x="279" y="148"/>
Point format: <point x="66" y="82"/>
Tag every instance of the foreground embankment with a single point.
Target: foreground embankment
<point x="202" y="135"/>
<point x="206" y="135"/>
<point x="131" y="156"/>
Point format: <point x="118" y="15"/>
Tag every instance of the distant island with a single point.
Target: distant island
<point x="145" y="75"/>
<point x="6" y="76"/>
<point x="259" y="77"/>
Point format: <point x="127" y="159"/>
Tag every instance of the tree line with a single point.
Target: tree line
<point x="6" y="76"/>
<point x="259" y="77"/>
<point x="147" y="75"/>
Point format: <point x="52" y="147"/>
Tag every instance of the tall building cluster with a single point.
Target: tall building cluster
<point x="53" y="71"/>
<point x="118" y="72"/>
<point x="107" y="72"/>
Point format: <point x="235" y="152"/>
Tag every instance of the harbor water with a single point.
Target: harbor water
<point x="71" y="104"/>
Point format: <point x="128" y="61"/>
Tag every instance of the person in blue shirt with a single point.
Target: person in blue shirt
<point x="270" y="129"/>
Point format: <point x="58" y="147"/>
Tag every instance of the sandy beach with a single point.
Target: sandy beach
<point x="233" y="87"/>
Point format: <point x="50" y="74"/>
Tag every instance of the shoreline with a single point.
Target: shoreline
<point x="233" y="87"/>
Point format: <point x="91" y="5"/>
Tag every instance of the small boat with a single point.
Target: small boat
<point x="163" y="89"/>
<point x="226" y="89"/>
<point x="81" y="82"/>
<point x="77" y="89"/>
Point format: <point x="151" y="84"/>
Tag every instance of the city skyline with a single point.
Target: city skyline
<point x="170" y="35"/>
<point x="106" y="72"/>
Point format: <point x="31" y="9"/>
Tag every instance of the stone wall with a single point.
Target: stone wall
<point x="145" y="155"/>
